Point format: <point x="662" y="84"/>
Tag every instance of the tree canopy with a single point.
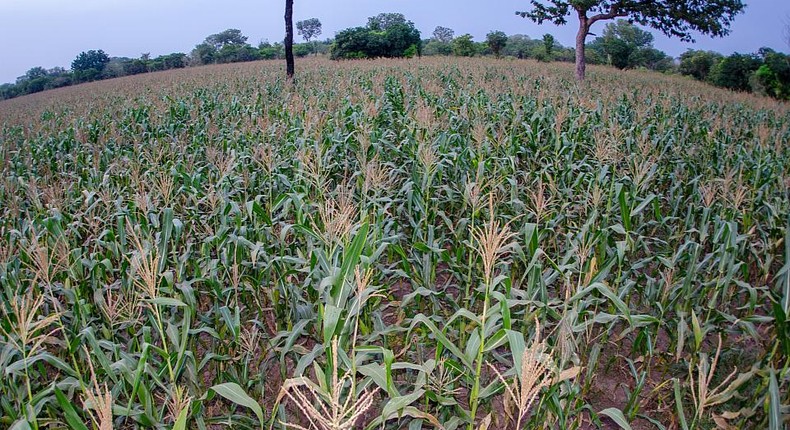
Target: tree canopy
<point x="386" y="35"/>
<point x="443" y="34"/>
<point x="309" y="28"/>
<point x="626" y="46"/>
<point x="464" y="46"/>
<point x="496" y="40"/>
<point x="698" y="63"/>
<point x="678" y="18"/>
<point x="230" y="36"/>
<point x="88" y="66"/>
<point x="384" y="21"/>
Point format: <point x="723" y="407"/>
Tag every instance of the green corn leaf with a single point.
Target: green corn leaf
<point x="236" y="394"/>
<point x="72" y="418"/>
<point x="617" y="416"/>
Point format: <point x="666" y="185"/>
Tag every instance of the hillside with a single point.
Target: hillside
<point x="450" y="243"/>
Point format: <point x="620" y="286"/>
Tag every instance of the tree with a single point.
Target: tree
<point x="384" y="36"/>
<point x="309" y="29"/>
<point x="289" y="39"/>
<point x="236" y="54"/>
<point x="548" y="45"/>
<point x="443" y="34"/>
<point x="773" y="77"/>
<point x="35" y="73"/>
<point x="230" y="36"/>
<point x="734" y="72"/>
<point x="204" y="54"/>
<point x="464" y="46"/>
<point x="698" y="63"/>
<point x="520" y="46"/>
<point x="88" y="66"/>
<point x="383" y="21"/>
<point x="496" y="40"/>
<point x="402" y="40"/>
<point x="436" y="47"/>
<point x="677" y="18"/>
<point x="622" y="44"/>
<point x="356" y="42"/>
<point x="224" y="47"/>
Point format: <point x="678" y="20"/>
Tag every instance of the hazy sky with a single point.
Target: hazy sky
<point x="51" y="33"/>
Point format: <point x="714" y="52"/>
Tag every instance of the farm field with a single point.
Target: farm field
<point x="433" y="243"/>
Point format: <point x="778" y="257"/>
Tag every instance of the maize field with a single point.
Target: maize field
<point x="394" y="244"/>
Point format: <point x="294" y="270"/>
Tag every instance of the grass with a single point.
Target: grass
<point x="432" y="243"/>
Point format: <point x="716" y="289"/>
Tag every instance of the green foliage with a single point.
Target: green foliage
<point x="436" y="47"/>
<point x="309" y="28"/>
<point x="443" y="34"/>
<point x="626" y="46"/>
<point x="88" y="66"/>
<point x="773" y="76"/>
<point x="229" y="46"/>
<point x="387" y="35"/>
<point x="521" y="46"/>
<point x="204" y="53"/>
<point x="384" y="21"/>
<point x="677" y="18"/>
<point x="176" y="60"/>
<point x="548" y="45"/>
<point x="464" y="46"/>
<point x="225" y="38"/>
<point x="698" y="63"/>
<point x="496" y="41"/>
<point x="734" y="72"/>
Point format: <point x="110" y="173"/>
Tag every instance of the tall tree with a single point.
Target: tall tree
<point x="548" y="45"/>
<point x="289" y="39"/>
<point x="443" y="34"/>
<point x="677" y="18"/>
<point x="698" y="63"/>
<point x="383" y="21"/>
<point x="464" y="46"/>
<point x="88" y="66"/>
<point x="496" y="40"/>
<point x="622" y="44"/>
<point x="309" y="29"/>
<point x="395" y="38"/>
<point x="230" y="36"/>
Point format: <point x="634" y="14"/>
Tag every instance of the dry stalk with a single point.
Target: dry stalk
<point x="537" y="372"/>
<point x="327" y="411"/>
<point x="704" y="396"/>
<point x="492" y="241"/>
<point x="97" y="400"/>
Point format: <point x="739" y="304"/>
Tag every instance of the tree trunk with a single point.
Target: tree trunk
<point x="581" y="37"/>
<point x="289" y="38"/>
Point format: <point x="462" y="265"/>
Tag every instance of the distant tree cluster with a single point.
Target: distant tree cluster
<point x="387" y="35"/>
<point x="228" y="46"/>
<point x="89" y="66"/>
<point x="766" y="72"/>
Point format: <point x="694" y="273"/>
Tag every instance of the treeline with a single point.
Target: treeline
<point x="765" y="72"/>
<point x="229" y="46"/>
<point x="89" y="66"/>
<point x="621" y="45"/>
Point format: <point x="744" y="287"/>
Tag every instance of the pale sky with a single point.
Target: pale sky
<point x="51" y="33"/>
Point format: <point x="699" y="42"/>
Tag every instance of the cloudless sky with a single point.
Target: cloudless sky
<point x="51" y="33"/>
